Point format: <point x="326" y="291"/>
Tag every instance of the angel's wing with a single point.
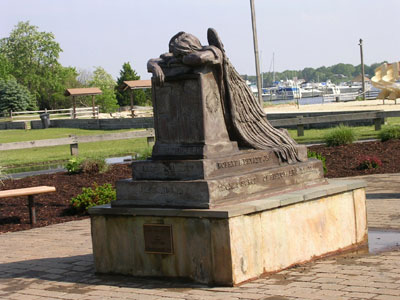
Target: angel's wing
<point x="214" y="40"/>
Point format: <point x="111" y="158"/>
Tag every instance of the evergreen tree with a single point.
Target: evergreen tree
<point x="14" y="96"/>
<point x="123" y="97"/>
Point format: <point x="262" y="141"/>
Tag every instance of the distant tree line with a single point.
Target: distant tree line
<point x="336" y="74"/>
<point x="31" y="76"/>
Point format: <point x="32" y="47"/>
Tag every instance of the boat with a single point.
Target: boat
<point x="282" y="90"/>
<point x="310" y="90"/>
<point x="329" y="88"/>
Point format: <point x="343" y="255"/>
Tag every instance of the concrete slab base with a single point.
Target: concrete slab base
<point x="232" y="244"/>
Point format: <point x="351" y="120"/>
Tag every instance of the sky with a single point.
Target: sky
<point x="300" y="33"/>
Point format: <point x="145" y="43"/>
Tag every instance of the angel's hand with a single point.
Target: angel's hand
<point x="155" y="69"/>
<point x="159" y="76"/>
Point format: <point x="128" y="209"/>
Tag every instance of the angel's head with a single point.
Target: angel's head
<point x="184" y="43"/>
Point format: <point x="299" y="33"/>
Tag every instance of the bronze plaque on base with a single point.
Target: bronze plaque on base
<point x="158" y="238"/>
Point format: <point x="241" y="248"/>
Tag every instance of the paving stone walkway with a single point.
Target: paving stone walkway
<point x="55" y="262"/>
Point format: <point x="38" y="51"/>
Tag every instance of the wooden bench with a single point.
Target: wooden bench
<point x="30" y="192"/>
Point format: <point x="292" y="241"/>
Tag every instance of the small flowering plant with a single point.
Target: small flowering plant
<point x="3" y="176"/>
<point x="369" y="162"/>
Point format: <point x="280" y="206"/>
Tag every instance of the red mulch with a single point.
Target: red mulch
<point x="341" y="161"/>
<point x="51" y="208"/>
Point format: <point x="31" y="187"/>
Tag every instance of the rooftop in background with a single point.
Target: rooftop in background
<point x="137" y="84"/>
<point x="83" y="91"/>
<point x="358" y="78"/>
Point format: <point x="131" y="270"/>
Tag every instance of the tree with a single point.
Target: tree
<point x="107" y="101"/>
<point x="336" y="73"/>
<point x="66" y="78"/>
<point x="14" y="96"/>
<point x="123" y="97"/>
<point x="308" y="74"/>
<point x="84" y="77"/>
<point x="5" y="68"/>
<point x="33" y="58"/>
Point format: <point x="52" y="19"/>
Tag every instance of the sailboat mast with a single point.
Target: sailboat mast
<point x="255" y="42"/>
<point x="262" y="76"/>
<point x="273" y="67"/>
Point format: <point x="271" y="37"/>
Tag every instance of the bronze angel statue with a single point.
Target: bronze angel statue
<point x="244" y="117"/>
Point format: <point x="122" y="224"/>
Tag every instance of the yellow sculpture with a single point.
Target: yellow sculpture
<point x="385" y="79"/>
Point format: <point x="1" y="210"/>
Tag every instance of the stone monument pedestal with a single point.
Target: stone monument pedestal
<point x="233" y="243"/>
<point x="225" y="197"/>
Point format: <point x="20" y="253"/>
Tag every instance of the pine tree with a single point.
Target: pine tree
<point x="14" y="96"/>
<point x="123" y="97"/>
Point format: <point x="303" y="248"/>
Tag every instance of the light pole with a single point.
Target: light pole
<point x="362" y="69"/>
<point x="253" y="22"/>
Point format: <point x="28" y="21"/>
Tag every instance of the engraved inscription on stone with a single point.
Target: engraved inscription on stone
<point x="158" y="238"/>
<point x="265" y="179"/>
<point x="243" y="162"/>
<point x="234" y="185"/>
<point x="298" y="170"/>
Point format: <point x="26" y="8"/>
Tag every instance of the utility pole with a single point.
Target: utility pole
<point x="253" y="22"/>
<point x="262" y="75"/>
<point x="273" y="67"/>
<point x="362" y="69"/>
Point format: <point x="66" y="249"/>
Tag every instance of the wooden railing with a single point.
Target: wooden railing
<point x="377" y="116"/>
<point x="63" y="113"/>
<point x="74" y="140"/>
<point x="300" y="121"/>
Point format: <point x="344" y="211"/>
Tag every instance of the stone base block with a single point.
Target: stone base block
<point x="192" y="169"/>
<point x="218" y="191"/>
<point x="232" y="244"/>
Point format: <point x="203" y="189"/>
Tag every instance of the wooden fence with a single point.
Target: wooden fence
<point x="378" y="117"/>
<point x="299" y="122"/>
<point x="64" y="113"/>
<point x="74" y="140"/>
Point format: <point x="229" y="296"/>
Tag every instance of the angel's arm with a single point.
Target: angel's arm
<point x="154" y="68"/>
<point x="203" y="57"/>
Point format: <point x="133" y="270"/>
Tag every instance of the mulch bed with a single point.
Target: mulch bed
<point x="51" y="208"/>
<point x="341" y="161"/>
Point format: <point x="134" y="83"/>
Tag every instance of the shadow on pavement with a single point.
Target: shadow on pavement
<point x="79" y="270"/>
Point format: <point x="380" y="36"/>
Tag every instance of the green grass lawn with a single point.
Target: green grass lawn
<point x="118" y="147"/>
<point x="95" y="150"/>
<point x="363" y="132"/>
<point x="317" y="135"/>
<point x="9" y="136"/>
<point x="58" y="153"/>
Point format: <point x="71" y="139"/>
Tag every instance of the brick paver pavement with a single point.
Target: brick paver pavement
<point x="55" y="262"/>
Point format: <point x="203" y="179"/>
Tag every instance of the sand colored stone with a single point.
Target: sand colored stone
<point x="246" y="242"/>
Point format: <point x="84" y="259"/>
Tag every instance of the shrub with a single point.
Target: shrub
<point x="73" y="166"/>
<point x="2" y="175"/>
<point x="369" y="162"/>
<point x="89" y="165"/>
<point x="389" y="133"/>
<point x="93" y="165"/>
<point x="98" y="195"/>
<point x="313" y="154"/>
<point x="340" y="135"/>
